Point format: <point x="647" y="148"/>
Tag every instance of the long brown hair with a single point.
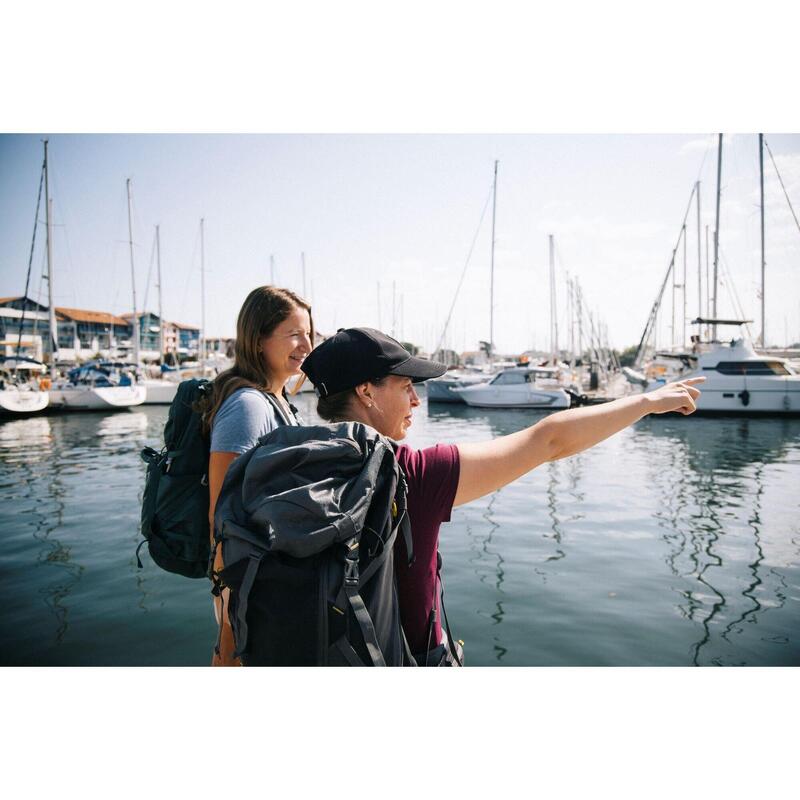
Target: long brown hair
<point x="262" y="311"/>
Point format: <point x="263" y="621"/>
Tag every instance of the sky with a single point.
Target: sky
<point x="383" y="216"/>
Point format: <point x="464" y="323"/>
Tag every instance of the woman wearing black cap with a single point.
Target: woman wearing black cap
<point x="362" y="375"/>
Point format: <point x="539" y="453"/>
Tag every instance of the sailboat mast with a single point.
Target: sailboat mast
<point x="553" y="323"/>
<point x="272" y="270"/>
<point x="683" y="292"/>
<point x="763" y="262"/>
<point x="202" y="295"/>
<point x="303" y="262"/>
<point x="699" y="260"/>
<point x="716" y="239"/>
<point x="160" y="311"/>
<point x="491" y="268"/>
<point x="48" y="204"/>
<point x="135" y="318"/>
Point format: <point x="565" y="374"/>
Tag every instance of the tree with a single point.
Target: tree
<point x="627" y="356"/>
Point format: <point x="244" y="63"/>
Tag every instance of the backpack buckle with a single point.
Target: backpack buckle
<point x="351" y="574"/>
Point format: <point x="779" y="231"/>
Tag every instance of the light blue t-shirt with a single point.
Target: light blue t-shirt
<point x="241" y="420"/>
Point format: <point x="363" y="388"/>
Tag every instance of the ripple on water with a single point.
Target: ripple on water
<point x="675" y="542"/>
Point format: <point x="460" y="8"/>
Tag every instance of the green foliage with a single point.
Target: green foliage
<point x="627" y="356"/>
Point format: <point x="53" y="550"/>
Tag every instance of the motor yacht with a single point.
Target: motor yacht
<point x="518" y="387"/>
<point x="740" y="381"/>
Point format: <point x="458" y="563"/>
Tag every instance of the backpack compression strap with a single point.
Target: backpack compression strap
<point x="244" y="593"/>
<point x="348" y="593"/>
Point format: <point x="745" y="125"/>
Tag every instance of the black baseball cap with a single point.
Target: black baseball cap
<point x="356" y="355"/>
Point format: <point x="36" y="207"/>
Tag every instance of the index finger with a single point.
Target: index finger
<point x="693" y="381"/>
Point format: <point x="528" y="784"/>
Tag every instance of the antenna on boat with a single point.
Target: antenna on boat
<point x="553" y="319"/>
<point x="48" y="204"/>
<point x="160" y="312"/>
<point x="133" y="278"/>
<point x="699" y="256"/>
<point x="202" y="297"/>
<point x="491" y="268"/>
<point x="763" y="262"/>
<point x="716" y="239"/>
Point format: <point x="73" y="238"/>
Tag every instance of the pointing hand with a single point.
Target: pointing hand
<point x="679" y="396"/>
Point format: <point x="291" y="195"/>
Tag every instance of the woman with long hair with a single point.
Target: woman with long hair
<point x="274" y="334"/>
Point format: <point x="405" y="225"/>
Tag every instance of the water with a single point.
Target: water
<point x="676" y="542"/>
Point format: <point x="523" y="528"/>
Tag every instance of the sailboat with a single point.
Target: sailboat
<point x="447" y="388"/>
<point x="98" y="386"/>
<point x="102" y="386"/>
<point x="20" y="390"/>
<point x="160" y="391"/>
<point x="524" y="386"/>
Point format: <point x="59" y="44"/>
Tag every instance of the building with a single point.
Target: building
<point x="149" y="333"/>
<point x="188" y="340"/>
<point x="84" y="334"/>
<point x="35" y="327"/>
<point x="221" y="345"/>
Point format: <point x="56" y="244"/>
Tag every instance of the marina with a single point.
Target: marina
<point x="674" y="543"/>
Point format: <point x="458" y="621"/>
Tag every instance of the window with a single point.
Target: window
<point x="508" y="378"/>
<point x="750" y="368"/>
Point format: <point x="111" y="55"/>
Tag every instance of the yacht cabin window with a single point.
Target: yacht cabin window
<point x="508" y="378"/>
<point x="750" y="368"/>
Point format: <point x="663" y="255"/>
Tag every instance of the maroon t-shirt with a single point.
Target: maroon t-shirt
<point x="432" y="476"/>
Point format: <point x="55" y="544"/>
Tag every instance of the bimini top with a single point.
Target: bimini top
<point x="704" y="321"/>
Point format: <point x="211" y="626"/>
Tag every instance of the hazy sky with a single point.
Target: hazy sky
<point x="403" y="210"/>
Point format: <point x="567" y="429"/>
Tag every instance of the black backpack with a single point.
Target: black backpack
<point x="307" y="521"/>
<point x="175" y="503"/>
<point x="176" y="497"/>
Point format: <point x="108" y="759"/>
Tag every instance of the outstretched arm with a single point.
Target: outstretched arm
<point x="487" y="466"/>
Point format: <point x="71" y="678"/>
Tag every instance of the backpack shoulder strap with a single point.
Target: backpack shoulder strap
<point x="279" y="409"/>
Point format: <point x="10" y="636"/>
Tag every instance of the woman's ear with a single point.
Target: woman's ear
<point x="364" y="393"/>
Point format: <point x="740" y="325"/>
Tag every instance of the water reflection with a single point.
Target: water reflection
<point x="556" y="533"/>
<point x="36" y="493"/>
<point x="495" y="422"/>
<point x="710" y="477"/>
<point x="703" y="483"/>
<point x="488" y="564"/>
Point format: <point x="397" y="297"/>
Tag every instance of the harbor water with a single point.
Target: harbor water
<point x="676" y="542"/>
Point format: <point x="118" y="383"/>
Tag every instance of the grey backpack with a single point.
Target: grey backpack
<point x="307" y="522"/>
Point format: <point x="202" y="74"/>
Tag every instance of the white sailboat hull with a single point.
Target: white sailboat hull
<point x="513" y="396"/>
<point x="160" y="392"/>
<point x="21" y="401"/>
<point x="97" y="398"/>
